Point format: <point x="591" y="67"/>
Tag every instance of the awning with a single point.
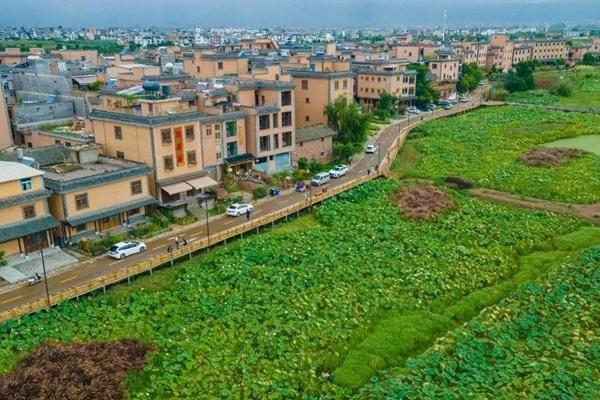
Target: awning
<point x="109" y="211"/>
<point x="202" y="182"/>
<point x="26" y="227"/>
<point x="177" y="188"/>
<point x="239" y="159"/>
<point x="84" y="80"/>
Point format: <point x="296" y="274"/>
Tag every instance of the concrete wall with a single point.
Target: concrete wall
<point x="5" y="129"/>
<point x="33" y="113"/>
<point x="320" y="149"/>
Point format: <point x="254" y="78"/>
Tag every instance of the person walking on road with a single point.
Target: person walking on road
<point x="170" y="249"/>
<point x="248" y="214"/>
<point x="183" y="242"/>
<point x="176" y="242"/>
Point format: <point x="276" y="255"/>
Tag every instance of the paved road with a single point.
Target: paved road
<point x="84" y="272"/>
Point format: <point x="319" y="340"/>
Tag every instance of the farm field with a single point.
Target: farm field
<point x="485" y="146"/>
<point x="542" y="342"/>
<point x="584" y="80"/>
<point x="265" y="315"/>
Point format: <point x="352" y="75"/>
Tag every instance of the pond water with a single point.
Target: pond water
<point x="590" y="143"/>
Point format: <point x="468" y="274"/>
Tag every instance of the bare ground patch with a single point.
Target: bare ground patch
<point x="86" y="371"/>
<point x="422" y="203"/>
<point x="548" y="157"/>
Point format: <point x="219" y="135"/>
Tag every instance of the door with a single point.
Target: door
<point x="35" y="242"/>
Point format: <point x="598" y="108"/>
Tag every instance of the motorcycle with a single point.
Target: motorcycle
<point x="32" y="280"/>
<point x="300" y="187"/>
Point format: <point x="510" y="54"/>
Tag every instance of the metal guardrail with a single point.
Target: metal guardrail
<point x="157" y="261"/>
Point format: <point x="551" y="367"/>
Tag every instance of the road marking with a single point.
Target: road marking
<point x="193" y="238"/>
<point x="258" y="211"/>
<point x="230" y="222"/>
<point x="11" y="299"/>
<point x="69" y="279"/>
<point x="116" y="262"/>
<point x="159" y="247"/>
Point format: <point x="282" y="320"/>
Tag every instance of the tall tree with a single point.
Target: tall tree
<point x="470" y="77"/>
<point x="424" y="92"/>
<point x="351" y="125"/>
<point x="521" y="78"/>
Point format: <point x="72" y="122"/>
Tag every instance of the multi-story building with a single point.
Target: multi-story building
<point x="26" y="224"/>
<point x="445" y="70"/>
<point x="375" y="77"/>
<point x="521" y="53"/>
<point x="500" y="53"/>
<point x="472" y="53"/>
<point x="407" y="51"/>
<point x="92" y="195"/>
<point x="548" y="50"/>
<point x="207" y="63"/>
<point x="327" y="79"/>
<point x="595" y="45"/>
<point x="314" y="143"/>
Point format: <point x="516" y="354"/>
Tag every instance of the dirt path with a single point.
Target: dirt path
<point x="590" y="212"/>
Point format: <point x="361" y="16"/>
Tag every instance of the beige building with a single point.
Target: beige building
<point x="26" y="224"/>
<point x="595" y="46"/>
<point x="521" y="53"/>
<point x="78" y="55"/>
<point x="407" y="52"/>
<point x="314" y="143"/>
<point x="327" y="79"/>
<point x="548" y="50"/>
<point x="6" y="138"/>
<point x="473" y="53"/>
<point x="500" y="53"/>
<point x="207" y="63"/>
<point x="131" y="74"/>
<point x="375" y="77"/>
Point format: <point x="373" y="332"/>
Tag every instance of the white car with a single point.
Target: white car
<point x="464" y="99"/>
<point x="237" y="209"/>
<point x="126" y="249"/>
<point x="413" y="110"/>
<point x="371" y="149"/>
<point x="320" y="179"/>
<point x="338" y="170"/>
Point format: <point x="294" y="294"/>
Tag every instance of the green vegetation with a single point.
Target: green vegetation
<point x="520" y="79"/>
<point x="96" y="247"/>
<point x="576" y="87"/>
<point x="471" y="75"/>
<point x="388" y="106"/>
<point x="107" y="47"/>
<point x="590" y="59"/>
<point x="425" y="93"/>
<point x="484" y="146"/>
<point x="259" y="192"/>
<point x="263" y="316"/>
<point x="542" y="342"/>
<point x="2" y="260"/>
<point x="351" y="125"/>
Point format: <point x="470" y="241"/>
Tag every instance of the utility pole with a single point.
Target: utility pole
<point x="44" y="266"/>
<point x="207" y="224"/>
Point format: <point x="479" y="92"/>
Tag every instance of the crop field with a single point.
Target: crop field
<point x="585" y="81"/>
<point x="484" y="146"/>
<point x="262" y="317"/>
<point x="542" y="342"/>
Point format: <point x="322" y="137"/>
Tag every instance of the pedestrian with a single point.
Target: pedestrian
<point x="176" y="242"/>
<point x="184" y="242"/>
<point x="248" y="214"/>
<point x="305" y="196"/>
<point x="421" y="118"/>
<point x="170" y="249"/>
<point x="368" y="170"/>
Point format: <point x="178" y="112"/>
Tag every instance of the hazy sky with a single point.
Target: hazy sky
<point x="294" y="13"/>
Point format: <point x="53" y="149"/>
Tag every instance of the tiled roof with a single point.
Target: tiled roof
<point x="26" y="227"/>
<point x="228" y="116"/>
<point x="109" y="211"/>
<point x="265" y="85"/>
<point x="43" y="156"/>
<point x="313" y="132"/>
<point x="299" y="73"/>
<point x="266" y="109"/>
<point x="24" y="198"/>
<point x="146" y="121"/>
<point x="58" y="186"/>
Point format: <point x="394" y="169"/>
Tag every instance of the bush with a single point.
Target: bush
<point x="497" y="94"/>
<point x="562" y="89"/>
<point x="99" y="246"/>
<point x="459" y="182"/>
<point x="259" y="192"/>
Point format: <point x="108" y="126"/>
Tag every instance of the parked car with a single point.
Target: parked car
<point x="237" y="209"/>
<point x="481" y="83"/>
<point x="371" y="149"/>
<point x="126" y="249"/>
<point x="446" y="104"/>
<point x="464" y="98"/>
<point x="320" y="179"/>
<point x="338" y="170"/>
<point x="413" y="110"/>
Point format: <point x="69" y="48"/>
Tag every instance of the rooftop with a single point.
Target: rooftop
<point x="43" y="156"/>
<point x="313" y="132"/>
<point x="12" y="171"/>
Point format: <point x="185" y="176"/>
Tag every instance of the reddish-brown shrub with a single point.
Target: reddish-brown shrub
<point x="543" y="157"/>
<point x="423" y="203"/>
<point x="86" y="371"/>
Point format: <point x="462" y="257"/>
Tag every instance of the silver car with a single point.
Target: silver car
<point x="126" y="249"/>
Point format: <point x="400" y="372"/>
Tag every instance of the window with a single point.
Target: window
<point x="133" y="211"/>
<point x="118" y="133"/>
<point x="218" y="134"/>
<point x="191" y="157"/>
<point x="68" y="144"/>
<point x="265" y="143"/>
<point x="231" y="128"/>
<point x="28" y="212"/>
<point x="232" y="149"/>
<point x="345" y="84"/>
<point x="168" y="162"/>
<point x="307" y="100"/>
<point x="220" y="65"/>
<point x="189" y="133"/>
<point x="165" y="135"/>
<point x="136" y="187"/>
<point x="208" y="131"/>
<point x="307" y="118"/>
<point x="336" y="85"/>
<point x="275" y="120"/>
<point x="198" y="69"/>
<point x="286" y="118"/>
<point x="81" y="227"/>
<point x="286" y="98"/>
<point x="26" y="184"/>
<point x="120" y="155"/>
<point x="275" y="141"/>
<point x="286" y="139"/>
<point x="219" y="155"/>
<point x="217" y="127"/>
<point x="304" y="84"/>
<point x="81" y="201"/>
<point x="263" y="122"/>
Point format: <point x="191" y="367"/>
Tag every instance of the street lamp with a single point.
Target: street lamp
<point x="40" y="242"/>
<point x="207" y="224"/>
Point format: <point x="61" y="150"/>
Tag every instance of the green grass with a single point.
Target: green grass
<point x="589" y="143"/>
<point x="107" y="47"/>
<point x="406" y="160"/>
<point x="262" y="316"/>
<point x="484" y="146"/>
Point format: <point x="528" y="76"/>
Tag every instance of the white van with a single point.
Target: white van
<point x="320" y="179"/>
